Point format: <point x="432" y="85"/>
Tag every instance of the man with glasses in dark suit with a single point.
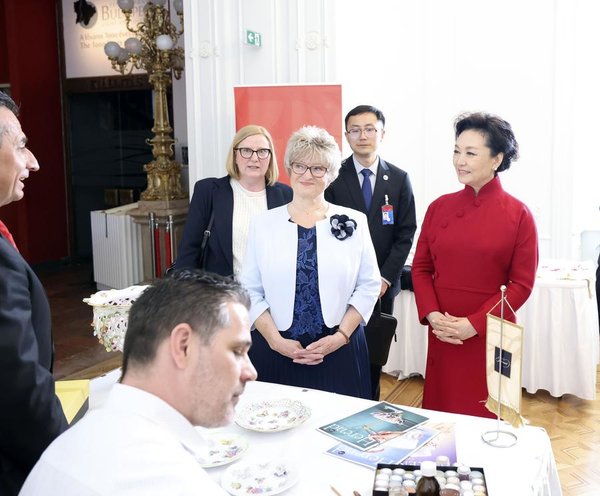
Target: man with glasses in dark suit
<point x="383" y="192"/>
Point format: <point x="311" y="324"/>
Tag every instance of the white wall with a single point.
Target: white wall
<point x="528" y="61"/>
<point x="295" y="50"/>
<point x="533" y="62"/>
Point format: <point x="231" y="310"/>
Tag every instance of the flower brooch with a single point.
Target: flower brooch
<point x="342" y="226"/>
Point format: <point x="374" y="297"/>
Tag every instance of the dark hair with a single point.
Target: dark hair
<point x="499" y="136"/>
<point x="365" y="109"/>
<point x="9" y="103"/>
<point x="187" y="296"/>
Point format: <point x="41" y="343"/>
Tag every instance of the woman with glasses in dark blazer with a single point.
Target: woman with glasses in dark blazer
<point x="224" y="206"/>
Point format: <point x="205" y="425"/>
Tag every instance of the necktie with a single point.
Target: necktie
<point x="6" y="233"/>
<point x="366" y="187"/>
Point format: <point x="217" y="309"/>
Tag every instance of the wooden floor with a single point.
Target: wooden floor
<point x="77" y="352"/>
<point x="572" y="424"/>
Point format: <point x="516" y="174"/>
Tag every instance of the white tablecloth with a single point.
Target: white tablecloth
<point x="528" y="468"/>
<point x="561" y="343"/>
<point x="561" y="347"/>
<point x="409" y="352"/>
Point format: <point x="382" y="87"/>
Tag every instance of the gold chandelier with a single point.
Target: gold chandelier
<point x="153" y="49"/>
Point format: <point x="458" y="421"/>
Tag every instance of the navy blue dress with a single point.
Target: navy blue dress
<point x="346" y="370"/>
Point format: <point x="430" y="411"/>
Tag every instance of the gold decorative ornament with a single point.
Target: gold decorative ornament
<point x="154" y="50"/>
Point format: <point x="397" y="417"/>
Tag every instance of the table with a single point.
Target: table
<point x="530" y="463"/>
<point x="561" y="349"/>
<point x="561" y="343"/>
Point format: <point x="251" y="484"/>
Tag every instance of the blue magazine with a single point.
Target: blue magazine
<point x="393" y="452"/>
<point x="369" y="428"/>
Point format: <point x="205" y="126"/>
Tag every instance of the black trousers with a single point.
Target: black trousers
<point x="387" y="306"/>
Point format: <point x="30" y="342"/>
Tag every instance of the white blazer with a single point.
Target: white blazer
<point x="348" y="272"/>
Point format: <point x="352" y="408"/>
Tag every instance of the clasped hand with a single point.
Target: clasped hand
<point x="314" y="353"/>
<point x="451" y="329"/>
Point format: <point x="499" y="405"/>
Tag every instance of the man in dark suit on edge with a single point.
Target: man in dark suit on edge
<point x="384" y="193"/>
<point x="30" y="413"/>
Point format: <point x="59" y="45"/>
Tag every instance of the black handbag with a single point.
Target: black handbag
<point x="379" y="333"/>
<point x="203" y="250"/>
<point x="406" y="278"/>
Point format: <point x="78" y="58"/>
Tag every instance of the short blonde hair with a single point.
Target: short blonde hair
<point x="252" y="130"/>
<point x="314" y="144"/>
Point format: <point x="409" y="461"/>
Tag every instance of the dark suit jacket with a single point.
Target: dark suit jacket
<point x="392" y="242"/>
<point x="216" y="195"/>
<point x="30" y="413"/>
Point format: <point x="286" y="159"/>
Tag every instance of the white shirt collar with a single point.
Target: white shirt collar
<point x="373" y="167"/>
<point x="134" y="400"/>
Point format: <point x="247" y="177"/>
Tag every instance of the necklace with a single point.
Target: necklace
<point x="315" y="212"/>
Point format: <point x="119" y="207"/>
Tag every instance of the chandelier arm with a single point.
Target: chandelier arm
<point x="127" y="14"/>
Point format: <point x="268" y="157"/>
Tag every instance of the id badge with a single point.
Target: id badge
<point x="387" y="214"/>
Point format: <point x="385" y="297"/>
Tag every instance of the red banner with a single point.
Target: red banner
<point x="284" y="109"/>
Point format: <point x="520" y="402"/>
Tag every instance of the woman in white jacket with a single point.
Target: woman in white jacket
<point x="312" y="274"/>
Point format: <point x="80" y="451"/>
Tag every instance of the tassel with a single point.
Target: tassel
<point x="507" y="414"/>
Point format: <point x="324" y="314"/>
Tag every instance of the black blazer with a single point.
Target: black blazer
<point x="216" y="195"/>
<point x="30" y="413"/>
<point x="392" y="242"/>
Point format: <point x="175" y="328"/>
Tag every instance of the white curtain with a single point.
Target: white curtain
<point x="533" y="62"/>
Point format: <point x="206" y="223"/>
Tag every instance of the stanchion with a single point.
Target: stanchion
<point x="158" y="269"/>
<point x="500" y="438"/>
<point x="152" y="250"/>
<point x="169" y="241"/>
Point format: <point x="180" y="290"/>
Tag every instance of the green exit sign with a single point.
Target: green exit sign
<point x="253" y="38"/>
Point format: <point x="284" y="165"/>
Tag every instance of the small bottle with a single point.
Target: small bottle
<point x="428" y="484"/>
<point x="397" y="491"/>
<point x="463" y="472"/>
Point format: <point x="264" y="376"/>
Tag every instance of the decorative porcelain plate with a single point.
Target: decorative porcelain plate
<point x="266" y="477"/>
<point x="272" y="415"/>
<point x="224" y="448"/>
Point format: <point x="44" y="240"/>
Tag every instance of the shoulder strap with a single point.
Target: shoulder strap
<point x="205" y="238"/>
<point x="208" y="229"/>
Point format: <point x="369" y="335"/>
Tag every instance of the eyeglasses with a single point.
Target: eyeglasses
<point x="315" y="170"/>
<point x="370" y="132"/>
<point x="261" y="153"/>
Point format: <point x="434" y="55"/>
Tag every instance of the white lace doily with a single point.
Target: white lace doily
<point x="111" y="311"/>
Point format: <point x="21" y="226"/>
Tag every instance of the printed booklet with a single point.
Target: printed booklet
<point x="393" y="452"/>
<point x="369" y="428"/>
<point x="441" y="450"/>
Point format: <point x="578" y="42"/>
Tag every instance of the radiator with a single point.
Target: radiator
<point x="117" y="248"/>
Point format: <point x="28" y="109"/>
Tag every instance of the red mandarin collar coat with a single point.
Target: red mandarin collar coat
<point x="469" y="246"/>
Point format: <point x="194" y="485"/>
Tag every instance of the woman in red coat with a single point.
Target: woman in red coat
<point x="471" y="243"/>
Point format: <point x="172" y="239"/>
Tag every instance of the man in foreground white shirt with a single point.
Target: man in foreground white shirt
<point x="185" y="364"/>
